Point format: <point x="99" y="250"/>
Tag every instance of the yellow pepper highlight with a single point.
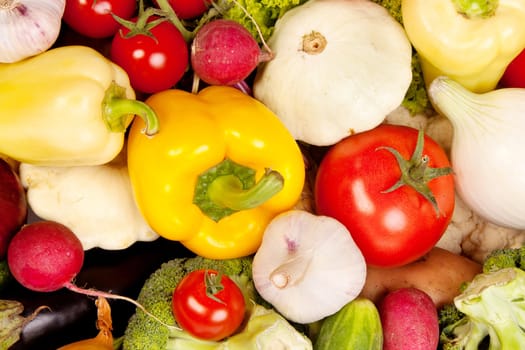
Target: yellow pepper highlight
<point x="206" y="135"/>
<point x="470" y="41"/>
<point x="68" y="106"/>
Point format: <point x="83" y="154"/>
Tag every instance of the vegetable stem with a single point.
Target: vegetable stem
<point x="314" y="43"/>
<point x="229" y="187"/>
<point x="228" y="190"/>
<point x="476" y="8"/>
<point x="117" y="111"/>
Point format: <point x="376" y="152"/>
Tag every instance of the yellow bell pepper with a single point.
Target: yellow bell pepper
<point x="219" y="170"/>
<point x="67" y="106"/>
<point x="470" y="41"/>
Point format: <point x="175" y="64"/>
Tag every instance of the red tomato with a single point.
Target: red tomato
<point x="391" y="228"/>
<point x="93" y="19"/>
<point x="514" y="75"/>
<point x="188" y="9"/>
<point x="206" y="314"/>
<point x="152" y="63"/>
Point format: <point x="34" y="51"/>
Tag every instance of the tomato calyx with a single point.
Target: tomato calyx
<point x="213" y="284"/>
<point x="142" y="25"/>
<point x="416" y="173"/>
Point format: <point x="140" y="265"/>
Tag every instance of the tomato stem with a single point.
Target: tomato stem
<point x="213" y="284"/>
<point x="416" y="172"/>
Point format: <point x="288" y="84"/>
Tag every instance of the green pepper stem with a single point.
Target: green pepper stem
<point x="476" y="8"/>
<point x="227" y="191"/>
<point x="117" y="111"/>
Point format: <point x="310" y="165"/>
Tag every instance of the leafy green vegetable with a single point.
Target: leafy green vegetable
<point x="490" y="308"/>
<point x="264" y="326"/>
<point x="264" y="12"/>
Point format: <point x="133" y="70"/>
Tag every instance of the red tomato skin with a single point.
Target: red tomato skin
<point x="391" y="229"/>
<point x="202" y="316"/>
<point x="93" y="19"/>
<point x="514" y="75"/>
<point x="189" y="9"/>
<point x="152" y="64"/>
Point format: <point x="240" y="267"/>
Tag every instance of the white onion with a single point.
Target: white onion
<point x="487" y="148"/>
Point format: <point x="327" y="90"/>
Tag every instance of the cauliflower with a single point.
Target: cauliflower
<point x="467" y="233"/>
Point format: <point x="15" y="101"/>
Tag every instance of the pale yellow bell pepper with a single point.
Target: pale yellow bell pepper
<point x="67" y="106"/>
<point x="470" y="41"/>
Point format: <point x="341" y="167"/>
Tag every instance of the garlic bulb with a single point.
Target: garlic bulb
<point x="487" y="148"/>
<point x="28" y="27"/>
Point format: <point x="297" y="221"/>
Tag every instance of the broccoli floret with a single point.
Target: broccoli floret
<point x="494" y="307"/>
<point x="448" y="315"/>
<point x="504" y="258"/>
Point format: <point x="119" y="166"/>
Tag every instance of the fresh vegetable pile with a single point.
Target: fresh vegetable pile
<point x="285" y="174"/>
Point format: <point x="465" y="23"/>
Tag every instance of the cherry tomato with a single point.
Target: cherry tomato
<point x="391" y="226"/>
<point x="188" y="9"/>
<point x="153" y="63"/>
<point x="208" y="305"/>
<point x="514" y="75"/>
<point x="93" y="19"/>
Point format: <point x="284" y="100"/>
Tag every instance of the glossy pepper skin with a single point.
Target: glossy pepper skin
<point x="199" y="131"/>
<point x="68" y="106"/>
<point x="470" y="41"/>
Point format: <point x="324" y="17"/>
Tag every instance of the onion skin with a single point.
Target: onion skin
<point x="487" y="148"/>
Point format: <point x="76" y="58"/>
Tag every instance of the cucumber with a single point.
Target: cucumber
<point x="357" y="326"/>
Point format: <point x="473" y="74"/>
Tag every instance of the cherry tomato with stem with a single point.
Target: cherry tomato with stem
<point x="93" y="18"/>
<point x="208" y="305"/>
<point x="392" y="187"/>
<point x="155" y="58"/>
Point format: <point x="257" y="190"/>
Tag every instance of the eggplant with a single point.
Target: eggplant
<point x="72" y="316"/>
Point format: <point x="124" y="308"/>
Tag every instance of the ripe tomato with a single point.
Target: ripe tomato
<point x="514" y="75"/>
<point x="152" y="63"/>
<point x="395" y="227"/>
<point x="208" y="305"/>
<point x="93" y="19"/>
<point x="189" y="9"/>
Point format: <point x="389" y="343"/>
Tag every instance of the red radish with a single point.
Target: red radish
<point x="410" y="320"/>
<point x="45" y="256"/>
<point x="13" y="205"/>
<point x="223" y="52"/>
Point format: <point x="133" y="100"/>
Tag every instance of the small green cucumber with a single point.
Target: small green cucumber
<point x="357" y="326"/>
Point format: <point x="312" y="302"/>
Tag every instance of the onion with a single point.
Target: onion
<point x="487" y="148"/>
